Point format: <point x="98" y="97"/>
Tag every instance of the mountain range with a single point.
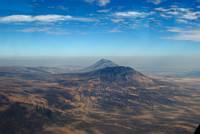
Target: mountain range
<point x="104" y="98"/>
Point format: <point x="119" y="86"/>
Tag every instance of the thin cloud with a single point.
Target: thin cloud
<point x="99" y="2"/>
<point x="42" y="18"/>
<point x="181" y="14"/>
<point x="156" y="2"/>
<point x="103" y="2"/>
<point x="103" y="11"/>
<point x="131" y="14"/>
<point x="47" y="30"/>
<point x="184" y="35"/>
<point x="127" y="20"/>
<point x="117" y="20"/>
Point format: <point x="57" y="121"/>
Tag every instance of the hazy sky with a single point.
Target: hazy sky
<point x="61" y="28"/>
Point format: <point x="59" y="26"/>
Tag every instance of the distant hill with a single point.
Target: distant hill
<point x="109" y="73"/>
<point x="192" y="74"/>
<point x="24" y="72"/>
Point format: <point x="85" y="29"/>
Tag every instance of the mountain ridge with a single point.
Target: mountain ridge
<point x="108" y="72"/>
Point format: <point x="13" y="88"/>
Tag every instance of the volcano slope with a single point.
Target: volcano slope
<point x="114" y="99"/>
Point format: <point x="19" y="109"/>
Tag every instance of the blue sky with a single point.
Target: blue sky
<point x="63" y="28"/>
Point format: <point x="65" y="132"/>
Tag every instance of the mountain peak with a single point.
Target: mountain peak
<point x="106" y="61"/>
<point x="100" y="64"/>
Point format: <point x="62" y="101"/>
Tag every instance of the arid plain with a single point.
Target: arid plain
<point x="110" y="99"/>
